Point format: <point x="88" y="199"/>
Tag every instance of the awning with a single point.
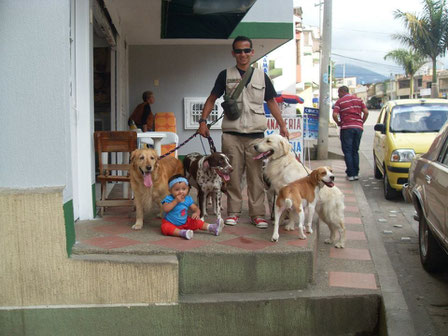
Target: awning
<point x="288" y="99"/>
<point x="206" y="19"/>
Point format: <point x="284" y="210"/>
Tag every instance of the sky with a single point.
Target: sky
<point x="362" y="29"/>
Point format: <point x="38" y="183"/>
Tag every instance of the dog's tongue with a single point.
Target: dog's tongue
<point x="260" y="156"/>
<point x="226" y="177"/>
<point x="329" y="184"/>
<point x="147" y="180"/>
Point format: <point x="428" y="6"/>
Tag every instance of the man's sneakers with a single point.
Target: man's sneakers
<point x="259" y="222"/>
<point x="231" y="220"/>
<point x="352" y="178"/>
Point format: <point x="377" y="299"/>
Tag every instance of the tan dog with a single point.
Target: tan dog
<point x="149" y="180"/>
<point x="299" y="194"/>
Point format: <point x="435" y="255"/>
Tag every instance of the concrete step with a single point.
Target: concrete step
<point x="236" y="272"/>
<point x="224" y="269"/>
<point x="302" y="312"/>
<point x="245" y="314"/>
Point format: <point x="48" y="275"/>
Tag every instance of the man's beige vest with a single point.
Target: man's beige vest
<point x="250" y="102"/>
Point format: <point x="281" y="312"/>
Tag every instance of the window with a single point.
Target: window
<point x="405" y="84"/>
<point x="193" y="109"/>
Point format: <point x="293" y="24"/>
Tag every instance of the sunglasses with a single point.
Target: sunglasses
<point x="240" y="51"/>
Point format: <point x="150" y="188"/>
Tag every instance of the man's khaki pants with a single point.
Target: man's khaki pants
<point x="240" y="150"/>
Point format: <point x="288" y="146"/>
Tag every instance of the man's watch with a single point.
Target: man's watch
<point x="202" y="120"/>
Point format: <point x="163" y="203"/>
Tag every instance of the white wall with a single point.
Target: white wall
<point x="34" y="86"/>
<point x="285" y="58"/>
<point x="192" y="75"/>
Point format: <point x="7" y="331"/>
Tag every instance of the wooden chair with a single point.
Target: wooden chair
<point x="109" y="142"/>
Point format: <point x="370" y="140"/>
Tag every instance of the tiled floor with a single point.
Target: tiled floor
<point x="343" y="267"/>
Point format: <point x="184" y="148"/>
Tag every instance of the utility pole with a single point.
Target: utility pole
<point x="325" y="83"/>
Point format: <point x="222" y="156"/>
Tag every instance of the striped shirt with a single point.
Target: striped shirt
<point x="349" y="108"/>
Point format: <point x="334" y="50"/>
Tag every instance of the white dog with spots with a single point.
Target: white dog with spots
<point x="208" y="174"/>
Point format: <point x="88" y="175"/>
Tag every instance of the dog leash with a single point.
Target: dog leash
<point x="176" y="148"/>
<point x="209" y="138"/>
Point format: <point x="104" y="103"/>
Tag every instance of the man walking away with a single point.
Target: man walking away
<point x="350" y="113"/>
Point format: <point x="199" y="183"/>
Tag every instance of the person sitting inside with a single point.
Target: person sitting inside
<point x="176" y="221"/>
<point x="142" y="116"/>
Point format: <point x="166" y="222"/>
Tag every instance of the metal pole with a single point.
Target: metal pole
<point x="324" y="86"/>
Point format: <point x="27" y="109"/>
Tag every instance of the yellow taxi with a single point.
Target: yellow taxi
<point x="405" y="128"/>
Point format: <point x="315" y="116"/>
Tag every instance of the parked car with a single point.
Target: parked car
<point x="404" y="128"/>
<point x="428" y="191"/>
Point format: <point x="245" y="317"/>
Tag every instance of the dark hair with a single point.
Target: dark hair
<point x="343" y="88"/>
<point x="241" y="38"/>
<point x="146" y="95"/>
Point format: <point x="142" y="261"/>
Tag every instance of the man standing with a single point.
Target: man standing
<point x="240" y="135"/>
<point x="350" y="113"/>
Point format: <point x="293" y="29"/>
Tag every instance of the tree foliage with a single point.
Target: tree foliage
<point x="427" y="33"/>
<point x="410" y="60"/>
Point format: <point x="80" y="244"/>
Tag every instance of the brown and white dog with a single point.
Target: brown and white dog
<point x="282" y="168"/>
<point x="149" y="180"/>
<point x="299" y="194"/>
<point x="208" y="174"/>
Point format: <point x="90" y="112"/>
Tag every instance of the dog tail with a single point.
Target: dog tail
<point x="288" y="203"/>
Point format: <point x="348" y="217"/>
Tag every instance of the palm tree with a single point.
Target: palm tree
<point x="427" y="33"/>
<point x="410" y="60"/>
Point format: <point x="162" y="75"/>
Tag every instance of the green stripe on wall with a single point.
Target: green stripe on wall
<point x="69" y="226"/>
<point x="264" y="30"/>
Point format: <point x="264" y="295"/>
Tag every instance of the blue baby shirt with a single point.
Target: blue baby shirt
<point x="178" y="215"/>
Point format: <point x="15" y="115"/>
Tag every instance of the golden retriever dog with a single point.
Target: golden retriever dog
<point x="299" y="194"/>
<point x="149" y="180"/>
<point x="282" y="168"/>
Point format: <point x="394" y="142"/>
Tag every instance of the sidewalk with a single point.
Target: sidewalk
<point x="362" y="268"/>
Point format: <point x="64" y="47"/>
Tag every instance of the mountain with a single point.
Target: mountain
<point x="363" y="75"/>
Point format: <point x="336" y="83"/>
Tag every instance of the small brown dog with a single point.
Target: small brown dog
<point x="299" y="194"/>
<point x="149" y="180"/>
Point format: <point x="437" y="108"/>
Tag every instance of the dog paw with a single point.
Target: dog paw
<point x="275" y="238"/>
<point x="328" y="241"/>
<point x="137" y="226"/>
<point x="289" y="227"/>
<point x="309" y="230"/>
<point x="339" y="245"/>
<point x="302" y="236"/>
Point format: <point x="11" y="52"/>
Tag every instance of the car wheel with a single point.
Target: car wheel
<point x="431" y="254"/>
<point x="376" y="172"/>
<point x="389" y="192"/>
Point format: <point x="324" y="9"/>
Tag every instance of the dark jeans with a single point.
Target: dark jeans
<point x="350" y="139"/>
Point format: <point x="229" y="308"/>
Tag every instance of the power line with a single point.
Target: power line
<point x="363" y="31"/>
<point x="368" y="62"/>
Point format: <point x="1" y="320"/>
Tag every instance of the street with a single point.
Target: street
<point x="426" y="294"/>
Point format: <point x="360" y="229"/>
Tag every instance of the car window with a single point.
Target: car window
<point x="443" y="157"/>
<point x="413" y="118"/>
<point x="381" y="116"/>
